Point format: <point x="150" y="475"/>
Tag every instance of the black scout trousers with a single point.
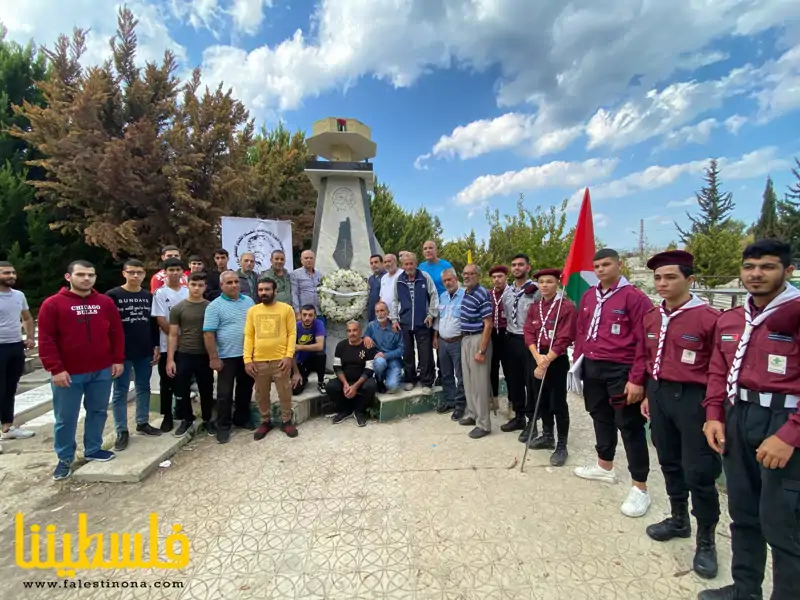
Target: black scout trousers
<point x="687" y="461"/>
<point x="764" y="504"/>
<point x="553" y="405"/>
<point x="498" y="359"/>
<point x="519" y="375"/>
<point x="602" y="382"/>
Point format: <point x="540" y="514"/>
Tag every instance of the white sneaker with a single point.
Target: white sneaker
<point x="597" y="473"/>
<point x="636" y="504"/>
<point x="15" y="433"/>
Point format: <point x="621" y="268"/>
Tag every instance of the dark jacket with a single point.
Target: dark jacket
<point x="248" y="286"/>
<point x="410" y="315"/>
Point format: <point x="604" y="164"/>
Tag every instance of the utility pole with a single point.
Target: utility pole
<point x="641" y="239"/>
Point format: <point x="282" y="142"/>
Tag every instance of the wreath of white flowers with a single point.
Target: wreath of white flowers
<point x="343" y="295"/>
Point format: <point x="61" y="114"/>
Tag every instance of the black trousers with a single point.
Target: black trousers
<point x="314" y="363"/>
<point x="166" y="386"/>
<point x="363" y="400"/>
<point x="764" y="504"/>
<point x="234" y="393"/>
<point x="188" y="366"/>
<point x="424" y="341"/>
<point x="498" y="358"/>
<point x="553" y="406"/>
<point x="602" y="381"/>
<point x="12" y="366"/>
<point x="687" y="461"/>
<point x="519" y="375"/>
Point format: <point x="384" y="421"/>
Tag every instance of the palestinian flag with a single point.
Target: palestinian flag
<point x="578" y="275"/>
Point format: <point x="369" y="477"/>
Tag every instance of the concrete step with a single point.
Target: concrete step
<point x="137" y="461"/>
<point x="35" y="407"/>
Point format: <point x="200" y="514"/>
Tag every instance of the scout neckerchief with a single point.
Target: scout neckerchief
<point x="750" y="323"/>
<point x="517" y="296"/>
<point x="544" y="319"/>
<point x="598" y="309"/>
<point x="497" y="300"/>
<point x="693" y="302"/>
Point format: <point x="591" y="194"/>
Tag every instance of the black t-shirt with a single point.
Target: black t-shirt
<point x="354" y="361"/>
<point x="141" y="330"/>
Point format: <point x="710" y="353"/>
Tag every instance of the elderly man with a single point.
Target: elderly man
<point x="305" y="282"/>
<point x="353" y="389"/>
<point x="389" y="279"/>
<point x="374" y="281"/>
<point x="278" y="273"/>
<point x="388" y="343"/>
<point x="447" y="342"/>
<point x="476" y="352"/>
<point x="414" y="309"/>
<point x="223" y="336"/>
<point x="248" y="278"/>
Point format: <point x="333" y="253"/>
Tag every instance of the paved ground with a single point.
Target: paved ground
<point x="410" y="509"/>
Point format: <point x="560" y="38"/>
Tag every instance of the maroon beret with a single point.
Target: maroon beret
<point x="498" y="269"/>
<point x="679" y="258"/>
<point x="554" y="272"/>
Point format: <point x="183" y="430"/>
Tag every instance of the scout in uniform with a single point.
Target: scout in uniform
<point x="753" y="421"/>
<point x="610" y="341"/>
<point x="679" y="337"/>
<point x="549" y="331"/>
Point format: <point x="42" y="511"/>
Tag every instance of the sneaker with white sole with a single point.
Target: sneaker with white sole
<point x="636" y="504"/>
<point x="596" y="473"/>
<point x="15" y="433"/>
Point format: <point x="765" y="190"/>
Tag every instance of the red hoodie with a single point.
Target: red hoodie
<point x="80" y="334"/>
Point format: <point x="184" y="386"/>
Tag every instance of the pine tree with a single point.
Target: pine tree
<point x="789" y="213"/>
<point x="715" y="206"/>
<point x="767" y="225"/>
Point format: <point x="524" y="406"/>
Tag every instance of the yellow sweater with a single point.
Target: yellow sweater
<point x="270" y="333"/>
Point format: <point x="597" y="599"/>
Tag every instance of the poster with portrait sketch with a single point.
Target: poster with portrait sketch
<point x="259" y="236"/>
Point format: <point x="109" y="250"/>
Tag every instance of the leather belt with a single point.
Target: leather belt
<point x="515" y="335"/>
<point x="468" y="333"/>
<point x="769" y="400"/>
<point x="451" y="340"/>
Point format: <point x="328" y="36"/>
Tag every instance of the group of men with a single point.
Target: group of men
<point x="711" y="385"/>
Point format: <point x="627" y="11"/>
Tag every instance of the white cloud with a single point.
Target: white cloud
<point x="601" y="220"/>
<point x="682" y="203"/>
<point x="735" y="123"/>
<point x="551" y="175"/>
<point x="753" y="164"/>
<point x="510" y="130"/>
<point x="691" y="134"/>
<point x="45" y="20"/>
<point x="781" y="91"/>
<point x="248" y="14"/>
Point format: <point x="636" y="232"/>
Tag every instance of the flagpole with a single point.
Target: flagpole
<point x="541" y="385"/>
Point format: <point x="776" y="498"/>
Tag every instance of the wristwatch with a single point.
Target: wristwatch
<point x="482" y="352"/>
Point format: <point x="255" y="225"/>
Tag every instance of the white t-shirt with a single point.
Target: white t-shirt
<point x="164" y="300"/>
<point x="12" y="303"/>
<point x="387" y="287"/>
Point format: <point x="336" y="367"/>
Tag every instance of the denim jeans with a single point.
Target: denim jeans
<point x="452" y="378"/>
<point x="390" y="372"/>
<point x="94" y="389"/>
<point x="141" y="383"/>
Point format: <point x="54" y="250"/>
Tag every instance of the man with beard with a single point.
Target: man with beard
<point x="610" y="340"/>
<point x="517" y="299"/>
<point x="374" y="282"/>
<point x="13" y="310"/>
<point x="353" y="389"/>
<point x="752" y="420"/>
<point x="388" y="344"/>
<point x="549" y="331"/>
<point x="679" y="340"/>
<point x="309" y="354"/>
<point x="270" y="336"/>
<point x="499" y="275"/>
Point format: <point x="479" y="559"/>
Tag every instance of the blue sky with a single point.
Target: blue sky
<point x="473" y="101"/>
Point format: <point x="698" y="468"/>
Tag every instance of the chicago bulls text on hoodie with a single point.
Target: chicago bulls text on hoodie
<point x="80" y="334"/>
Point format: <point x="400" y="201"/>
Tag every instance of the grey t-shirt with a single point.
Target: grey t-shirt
<point x="12" y="303"/>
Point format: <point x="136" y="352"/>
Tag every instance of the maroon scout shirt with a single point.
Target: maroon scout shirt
<point x="771" y="364"/>
<point x="565" y="331"/>
<point x="620" y="336"/>
<point x="687" y="344"/>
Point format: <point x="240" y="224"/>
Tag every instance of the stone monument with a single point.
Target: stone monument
<point x="343" y="235"/>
